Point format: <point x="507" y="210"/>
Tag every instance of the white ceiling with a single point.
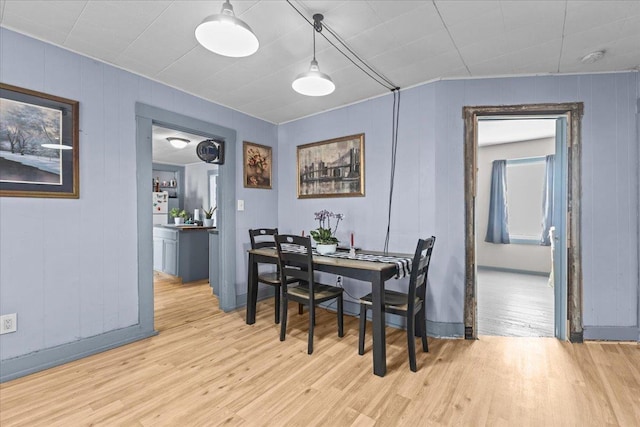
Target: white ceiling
<point x="164" y="152"/>
<point x="410" y="42"/>
<point x="492" y="132"/>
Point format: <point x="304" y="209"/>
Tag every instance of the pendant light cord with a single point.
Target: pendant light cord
<point x="314" y="42"/>
<point x="370" y="71"/>
<point x="394" y="149"/>
<point x="378" y="78"/>
<point x="387" y="83"/>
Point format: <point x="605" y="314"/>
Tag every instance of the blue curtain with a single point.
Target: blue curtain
<point x="498" y="225"/>
<point x="547" y="200"/>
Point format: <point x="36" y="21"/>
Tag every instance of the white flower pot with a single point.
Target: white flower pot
<point x="178" y="220"/>
<point x="207" y="222"/>
<point x="326" y="249"/>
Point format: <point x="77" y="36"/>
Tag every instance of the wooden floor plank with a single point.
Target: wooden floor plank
<point x="207" y="367"/>
<point x="514" y="305"/>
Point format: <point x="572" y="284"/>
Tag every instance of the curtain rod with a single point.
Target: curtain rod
<point x="531" y="159"/>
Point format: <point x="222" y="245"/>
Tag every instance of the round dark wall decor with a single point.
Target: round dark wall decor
<point x="211" y="151"/>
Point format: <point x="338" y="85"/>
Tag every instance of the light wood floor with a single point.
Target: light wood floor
<point x="209" y="368"/>
<point x="514" y="305"/>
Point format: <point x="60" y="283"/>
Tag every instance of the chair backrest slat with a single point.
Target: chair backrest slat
<point x="420" y="271"/>
<point x="263" y="238"/>
<point x="295" y="258"/>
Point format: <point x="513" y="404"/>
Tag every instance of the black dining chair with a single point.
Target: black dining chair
<point x="296" y="263"/>
<point x="410" y="305"/>
<point x="265" y="238"/>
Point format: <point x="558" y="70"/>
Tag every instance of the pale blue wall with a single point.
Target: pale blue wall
<point x="70" y="272"/>
<point x="430" y="180"/>
<point x="67" y="267"/>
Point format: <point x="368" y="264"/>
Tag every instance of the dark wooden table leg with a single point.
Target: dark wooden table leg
<point x="379" y="339"/>
<point x="252" y="290"/>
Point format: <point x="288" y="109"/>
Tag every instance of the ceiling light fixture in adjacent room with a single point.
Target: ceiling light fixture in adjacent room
<point x="178" y="143"/>
<point x="314" y="82"/>
<point x="227" y="35"/>
<point x="592" y="57"/>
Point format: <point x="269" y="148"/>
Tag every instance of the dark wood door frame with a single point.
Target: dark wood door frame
<point x="573" y="112"/>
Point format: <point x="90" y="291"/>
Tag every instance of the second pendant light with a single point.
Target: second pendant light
<point x="314" y="82"/>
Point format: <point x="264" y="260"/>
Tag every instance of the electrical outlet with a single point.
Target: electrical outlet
<point x="8" y="323"/>
<point x="339" y="281"/>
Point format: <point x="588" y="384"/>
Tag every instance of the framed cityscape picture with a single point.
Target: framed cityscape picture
<point x="257" y="161"/>
<point x="332" y="168"/>
<point x="38" y="144"/>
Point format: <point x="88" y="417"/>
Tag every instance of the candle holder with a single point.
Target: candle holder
<point x="352" y="252"/>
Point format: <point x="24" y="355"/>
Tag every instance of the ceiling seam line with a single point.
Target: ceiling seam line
<point x="248" y="9"/>
<point x="451" y="37"/>
<point x="564" y="23"/>
<point x="356" y="56"/>
<point x="177" y="59"/>
<point x="119" y="55"/>
<point x="75" y="23"/>
<point x="344" y="43"/>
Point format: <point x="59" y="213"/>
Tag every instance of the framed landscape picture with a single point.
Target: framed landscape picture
<point x="333" y="168"/>
<point x="38" y="144"/>
<point x="257" y="161"/>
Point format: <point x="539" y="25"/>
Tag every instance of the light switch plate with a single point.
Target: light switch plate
<point x="240" y="205"/>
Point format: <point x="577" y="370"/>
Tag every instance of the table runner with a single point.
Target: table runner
<point x="403" y="264"/>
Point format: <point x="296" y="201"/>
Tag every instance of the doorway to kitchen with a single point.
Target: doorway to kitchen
<point x="565" y="216"/>
<point x="146" y="117"/>
<point x="182" y="204"/>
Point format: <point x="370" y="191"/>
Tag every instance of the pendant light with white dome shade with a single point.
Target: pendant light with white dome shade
<point x="314" y="82"/>
<point x="227" y="35"/>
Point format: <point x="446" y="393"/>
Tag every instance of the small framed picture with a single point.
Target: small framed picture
<point x="257" y="161"/>
<point x="332" y="168"/>
<point x="38" y="144"/>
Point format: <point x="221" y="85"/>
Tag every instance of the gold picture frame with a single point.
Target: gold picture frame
<point x="257" y="165"/>
<point x="331" y="168"/>
<point x="33" y="125"/>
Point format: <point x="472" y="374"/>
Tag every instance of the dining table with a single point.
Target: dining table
<point x="366" y="266"/>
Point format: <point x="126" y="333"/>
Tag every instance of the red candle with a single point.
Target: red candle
<point x="351" y="239"/>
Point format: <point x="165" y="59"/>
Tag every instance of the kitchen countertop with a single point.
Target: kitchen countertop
<point x="185" y="227"/>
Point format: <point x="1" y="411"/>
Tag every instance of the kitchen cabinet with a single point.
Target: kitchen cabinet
<point x="165" y="250"/>
<point x="170" y="256"/>
<point x="181" y="251"/>
<point x="158" y="254"/>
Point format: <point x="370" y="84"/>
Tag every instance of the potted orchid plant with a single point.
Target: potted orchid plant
<point x="324" y="235"/>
